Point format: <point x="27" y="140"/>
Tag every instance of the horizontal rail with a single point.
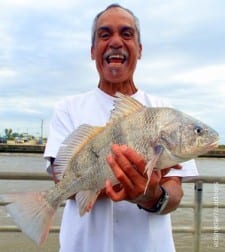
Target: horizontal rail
<point x="24" y="176"/>
<point x="205" y="179"/>
<point x="197" y="229"/>
<point x="45" y="176"/>
<point x="204" y="205"/>
<point x="182" y="205"/>
<point x="56" y="229"/>
<point x="9" y="228"/>
<point x="203" y="230"/>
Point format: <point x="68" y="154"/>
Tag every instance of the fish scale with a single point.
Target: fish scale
<point x="163" y="136"/>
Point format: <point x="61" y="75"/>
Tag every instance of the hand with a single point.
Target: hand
<point x="128" y="167"/>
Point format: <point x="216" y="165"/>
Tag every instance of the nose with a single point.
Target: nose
<point x="115" y="42"/>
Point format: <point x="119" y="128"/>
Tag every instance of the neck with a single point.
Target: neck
<point x="126" y="88"/>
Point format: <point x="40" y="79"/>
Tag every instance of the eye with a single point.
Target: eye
<point x="127" y="34"/>
<point x="198" y="130"/>
<point x="104" y="35"/>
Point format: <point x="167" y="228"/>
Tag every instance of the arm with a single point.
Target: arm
<point x="51" y="170"/>
<point x="129" y="167"/>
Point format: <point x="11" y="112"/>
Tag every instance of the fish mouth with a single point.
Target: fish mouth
<point x="212" y="145"/>
<point x="115" y="57"/>
<point x="182" y="158"/>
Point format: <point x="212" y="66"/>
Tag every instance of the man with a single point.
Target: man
<point x="116" y="223"/>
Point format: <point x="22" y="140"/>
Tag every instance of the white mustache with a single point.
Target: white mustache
<point x="112" y="52"/>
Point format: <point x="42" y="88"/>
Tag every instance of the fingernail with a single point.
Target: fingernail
<point x="123" y="147"/>
<point x="109" y="159"/>
<point x="114" y="147"/>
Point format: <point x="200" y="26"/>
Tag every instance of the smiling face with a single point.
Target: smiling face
<point x="116" y="48"/>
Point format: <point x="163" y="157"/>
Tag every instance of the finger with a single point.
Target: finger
<point x="127" y="165"/>
<point x="119" y="173"/>
<point x="167" y="170"/>
<point x="134" y="157"/>
<point x="114" y="195"/>
<point x="153" y="184"/>
<point x="133" y="185"/>
<point x="177" y="166"/>
<point x="155" y="178"/>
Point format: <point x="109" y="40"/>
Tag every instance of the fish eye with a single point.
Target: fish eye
<point x="198" y="130"/>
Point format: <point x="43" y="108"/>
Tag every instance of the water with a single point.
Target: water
<point x="17" y="242"/>
<point x="211" y="216"/>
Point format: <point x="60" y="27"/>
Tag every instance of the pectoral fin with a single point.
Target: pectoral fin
<point x="86" y="200"/>
<point x="151" y="164"/>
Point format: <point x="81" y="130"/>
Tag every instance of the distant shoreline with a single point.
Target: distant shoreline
<point x="217" y="153"/>
<point x="22" y="148"/>
<point x="39" y="148"/>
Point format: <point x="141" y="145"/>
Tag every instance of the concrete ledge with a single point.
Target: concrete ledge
<point x="22" y="148"/>
<point x="216" y="153"/>
<point x="27" y="148"/>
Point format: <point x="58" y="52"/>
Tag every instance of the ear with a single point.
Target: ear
<point x="92" y="53"/>
<point x="140" y="51"/>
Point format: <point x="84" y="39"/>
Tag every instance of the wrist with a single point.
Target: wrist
<point x="150" y="197"/>
<point x="158" y="204"/>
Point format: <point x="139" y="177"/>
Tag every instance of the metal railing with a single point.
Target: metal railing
<point x="197" y="205"/>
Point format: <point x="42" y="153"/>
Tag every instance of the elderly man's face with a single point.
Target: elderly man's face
<point x="116" y="48"/>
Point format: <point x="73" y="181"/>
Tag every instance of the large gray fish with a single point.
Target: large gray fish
<point x="164" y="136"/>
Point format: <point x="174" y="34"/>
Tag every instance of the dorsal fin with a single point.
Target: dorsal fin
<point x="123" y="106"/>
<point x="72" y="145"/>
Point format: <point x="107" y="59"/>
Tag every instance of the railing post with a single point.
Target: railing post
<point x="198" y="215"/>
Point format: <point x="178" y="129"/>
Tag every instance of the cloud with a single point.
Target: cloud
<point x="205" y="75"/>
<point x="45" y="55"/>
<point x="41" y="5"/>
<point x="7" y="72"/>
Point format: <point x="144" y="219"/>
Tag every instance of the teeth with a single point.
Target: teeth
<point x="116" y="56"/>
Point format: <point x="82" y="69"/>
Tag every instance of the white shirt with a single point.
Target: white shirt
<point x="110" y="226"/>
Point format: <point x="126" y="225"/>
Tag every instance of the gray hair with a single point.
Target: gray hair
<point x="136" y="20"/>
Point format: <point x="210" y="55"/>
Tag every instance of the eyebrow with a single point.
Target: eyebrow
<point x="104" y="28"/>
<point x="122" y="28"/>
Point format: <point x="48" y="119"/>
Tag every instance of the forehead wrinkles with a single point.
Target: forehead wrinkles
<point x="115" y="17"/>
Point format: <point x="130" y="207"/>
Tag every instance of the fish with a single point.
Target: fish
<point x="164" y="136"/>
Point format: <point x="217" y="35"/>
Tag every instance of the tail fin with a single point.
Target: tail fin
<point x="31" y="212"/>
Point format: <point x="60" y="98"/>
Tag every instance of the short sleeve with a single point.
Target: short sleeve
<point x="188" y="169"/>
<point x="60" y="127"/>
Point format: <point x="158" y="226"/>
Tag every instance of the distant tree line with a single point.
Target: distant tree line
<point x="12" y="135"/>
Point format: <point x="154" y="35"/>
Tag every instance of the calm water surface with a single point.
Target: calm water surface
<point x="17" y="242"/>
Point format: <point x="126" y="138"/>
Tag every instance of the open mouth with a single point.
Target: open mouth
<point x="116" y="58"/>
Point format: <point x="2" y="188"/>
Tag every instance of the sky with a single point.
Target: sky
<point x="45" y="55"/>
